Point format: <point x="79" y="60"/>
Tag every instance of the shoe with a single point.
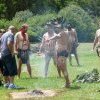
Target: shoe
<point x="12" y="86"/>
<point x="67" y="85"/>
<point x="6" y="85"/>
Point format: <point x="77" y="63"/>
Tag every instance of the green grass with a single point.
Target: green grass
<point x="87" y="91"/>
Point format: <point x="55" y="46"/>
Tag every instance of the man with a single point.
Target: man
<point x="2" y="31"/>
<point x="8" y="58"/>
<point x="22" y="47"/>
<point x="1" y="62"/>
<point x="48" y="48"/>
<point x="74" y="44"/>
<point x="62" y="48"/>
<point x="97" y="42"/>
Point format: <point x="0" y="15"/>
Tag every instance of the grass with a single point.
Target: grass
<point x="87" y="91"/>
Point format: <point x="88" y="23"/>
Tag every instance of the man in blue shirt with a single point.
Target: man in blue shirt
<point x="8" y="58"/>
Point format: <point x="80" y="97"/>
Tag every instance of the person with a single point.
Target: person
<point x="97" y="42"/>
<point x="22" y="46"/>
<point x="2" y="31"/>
<point x="1" y="62"/>
<point x="62" y="48"/>
<point x="74" y="44"/>
<point x="48" y="48"/>
<point x="8" y="58"/>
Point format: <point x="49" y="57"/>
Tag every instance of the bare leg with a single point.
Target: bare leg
<point x="29" y="70"/>
<point x="19" y="67"/>
<point x="59" y="71"/>
<point x="6" y="79"/>
<point x="70" y="59"/>
<point x="62" y="63"/>
<point x="56" y="64"/>
<point x="11" y="79"/>
<point x="47" y="60"/>
<point x="76" y="57"/>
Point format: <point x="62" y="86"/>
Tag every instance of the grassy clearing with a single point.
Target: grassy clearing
<point x="88" y="91"/>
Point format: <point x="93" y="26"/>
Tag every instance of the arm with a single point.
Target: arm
<point x="42" y="45"/>
<point x="76" y="39"/>
<point x="75" y="35"/>
<point x="95" y="42"/>
<point x="28" y="41"/>
<point x="10" y="44"/>
<point x="57" y="36"/>
<point x="16" y="43"/>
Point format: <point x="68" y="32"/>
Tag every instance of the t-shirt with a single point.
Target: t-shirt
<point x="8" y="36"/>
<point x="49" y="45"/>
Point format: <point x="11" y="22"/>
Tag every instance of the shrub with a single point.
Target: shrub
<point x="79" y="19"/>
<point x="20" y="18"/>
<point x="37" y="23"/>
<point x="4" y="23"/>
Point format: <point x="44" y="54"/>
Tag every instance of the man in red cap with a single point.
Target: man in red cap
<point x="22" y="46"/>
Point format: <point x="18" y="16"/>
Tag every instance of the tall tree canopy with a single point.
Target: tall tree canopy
<point x="8" y="8"/>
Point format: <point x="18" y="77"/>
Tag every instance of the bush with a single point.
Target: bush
<point x="20" y="18"/>
<point x="79" y="19"/>
<point x="37" y="23"/>
<point x="4" y="23"/>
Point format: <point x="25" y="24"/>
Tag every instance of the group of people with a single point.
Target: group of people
<point x="57" y="43"/>
<point x="12" y="43"/>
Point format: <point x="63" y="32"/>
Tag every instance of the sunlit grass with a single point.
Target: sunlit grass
<point x="87" y="91"/>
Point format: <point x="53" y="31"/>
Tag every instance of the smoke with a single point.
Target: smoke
<point x="37" y="64"/>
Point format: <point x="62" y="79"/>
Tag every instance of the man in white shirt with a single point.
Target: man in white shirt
<point x="48" y="48"/>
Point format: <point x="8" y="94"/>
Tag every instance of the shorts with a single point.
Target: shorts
<point x="74" y="47"/>
<point x="24" y="56"/>
<point x="10" y="67"/>
<point x="63" y="53"/>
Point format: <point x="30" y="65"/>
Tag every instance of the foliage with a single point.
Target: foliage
<point x="8" y="8"/>
<point x="36" y="23"/>
<point x="4" y="23"/>
<point x="20" y="18"/>
<point x="81" y="20"/>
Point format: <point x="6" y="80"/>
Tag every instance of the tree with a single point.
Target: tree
<point x="81" y="20"/>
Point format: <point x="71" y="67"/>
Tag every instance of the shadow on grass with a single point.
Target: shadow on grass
<point x="25" y="78"/>
<point x="74" y="87"/>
